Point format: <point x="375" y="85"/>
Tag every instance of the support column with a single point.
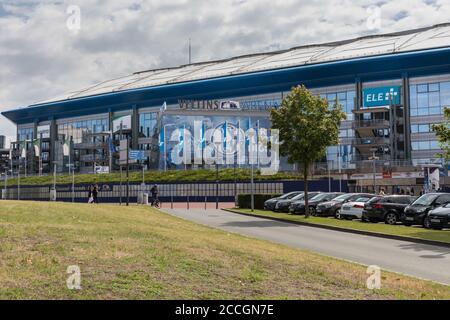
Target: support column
<point x="33" y="158"/>
<point x="53" y="139"/>
<point x="135" y="128"/>
<point x="358" y="89"/>
<point x="407" y="116"/>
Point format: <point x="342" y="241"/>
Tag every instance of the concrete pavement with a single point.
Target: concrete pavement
<point x="418" y="260"/>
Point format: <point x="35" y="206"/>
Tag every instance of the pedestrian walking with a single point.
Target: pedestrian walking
<point x="90" y="194"/>
<point x="95" y="194"/>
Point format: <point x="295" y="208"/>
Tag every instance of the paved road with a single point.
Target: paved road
<point x="419" y="260"/>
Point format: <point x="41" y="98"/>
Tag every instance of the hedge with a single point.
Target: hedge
<point x="245" y="202"/>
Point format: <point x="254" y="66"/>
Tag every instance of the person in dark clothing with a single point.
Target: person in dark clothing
<point x="95" y="194"/>
<point x="154" y="192"/>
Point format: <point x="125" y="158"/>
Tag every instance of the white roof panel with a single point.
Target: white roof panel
<point x="421" y="39"/>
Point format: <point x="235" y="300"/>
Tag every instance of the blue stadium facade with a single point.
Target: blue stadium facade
<point x="393" y="87"/>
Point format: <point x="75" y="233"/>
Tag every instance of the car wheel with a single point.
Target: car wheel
<point x="337" y="214"/>
<point x="391" y="219"/>
<point x="426" y="223"/>
<point x="312" y="211"/>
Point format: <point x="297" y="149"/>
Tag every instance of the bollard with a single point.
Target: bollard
<point x="188" y="202"/>
<point x="145" y="199"/>
<point x="171" y="201"/>
<point x="4" y="194"/>
<point x="52" y="194"/>
<point x="140" y="197"/>
<point x="205" y="201"/>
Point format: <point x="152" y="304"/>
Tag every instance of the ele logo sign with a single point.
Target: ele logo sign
<point x="381" y="96"/>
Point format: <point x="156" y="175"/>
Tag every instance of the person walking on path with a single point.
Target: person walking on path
<point x="95" y="194"/>
<point x="90" y="194"/>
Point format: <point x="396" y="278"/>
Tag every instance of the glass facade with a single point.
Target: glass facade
<point x="148" y="124"/>
<point x="428" y="99"/>
<point x="345" y="98"/>
<point x="25" y="134"/>
<point x="425" y="145"/>
<point x="421" y="128"/>
<point x="341" y="156"/>
<point x="76" y="129"/>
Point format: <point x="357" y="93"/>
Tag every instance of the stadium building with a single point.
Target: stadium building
<point x="393" y="87"/>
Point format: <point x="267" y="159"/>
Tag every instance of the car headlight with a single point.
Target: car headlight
<point x="327" y="205"/>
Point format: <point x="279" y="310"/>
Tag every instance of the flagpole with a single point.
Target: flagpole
<point x="111" y="146"/>
<point x="73" y="174"/>
<point x="26" y="164"/>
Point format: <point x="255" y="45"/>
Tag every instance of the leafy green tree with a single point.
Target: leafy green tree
<point x="442" y="131"/>
<point x="307" y="127"/>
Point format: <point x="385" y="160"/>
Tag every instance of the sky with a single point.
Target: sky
<point x="48" y="48"/>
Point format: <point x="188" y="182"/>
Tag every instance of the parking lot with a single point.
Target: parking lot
<point x="430" y="211"/>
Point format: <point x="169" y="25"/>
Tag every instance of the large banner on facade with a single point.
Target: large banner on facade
<point x="432" y="175"/>
<point x="381" y="96"/>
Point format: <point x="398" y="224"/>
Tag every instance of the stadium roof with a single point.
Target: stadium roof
<point x="437" y="36"/>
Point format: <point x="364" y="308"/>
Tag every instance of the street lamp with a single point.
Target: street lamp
<point x="374" y="158"/>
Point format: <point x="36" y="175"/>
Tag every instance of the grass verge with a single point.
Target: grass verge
<point x="141" y="253"/>
<point x="382" y="228"/>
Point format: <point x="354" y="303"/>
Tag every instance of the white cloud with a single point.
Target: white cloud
<point x="40" y="58"/>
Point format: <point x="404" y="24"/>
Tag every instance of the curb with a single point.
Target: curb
<point x="360" y="232"/>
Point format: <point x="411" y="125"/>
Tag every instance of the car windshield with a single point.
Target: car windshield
<point x="362" y="199"/>
<point x="289" y="195"/>
<point x="375" y="199"/>
<point x="301" y="196"/>
<point x="312" y="195"/>
<point x="343" y="197"/>
<point x="320" y="197"/>
<point x="425" y="200"/>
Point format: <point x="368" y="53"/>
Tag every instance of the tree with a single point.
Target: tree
<point x="307" y="125"/>
<point x="442" y="131"/>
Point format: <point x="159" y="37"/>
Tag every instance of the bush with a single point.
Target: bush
<point x="245" y="200"/>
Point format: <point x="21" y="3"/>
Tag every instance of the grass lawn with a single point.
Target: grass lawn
<point x="400" y="230"/>
<point x="141" y="253"/>
<point x="156" y="176"/>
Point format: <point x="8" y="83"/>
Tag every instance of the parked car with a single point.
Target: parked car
<point x="298" y="207"/>
<point x="439" y="218"/>
<point x="270" y="204"/>
<point x="332" y="207"/>
<point x="417" y="212"/>
<point x="297" y="204"/>
<point x="283" y="205"/>
<point x="353" y="209"/>
<point x="386" y="208"/>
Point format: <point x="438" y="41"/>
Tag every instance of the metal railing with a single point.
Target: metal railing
<point x="370" y="123"/>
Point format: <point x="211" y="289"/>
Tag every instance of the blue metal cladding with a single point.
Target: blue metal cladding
<point x="385" y="67"/>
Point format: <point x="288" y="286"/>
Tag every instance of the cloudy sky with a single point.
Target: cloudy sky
<point x="43" y="53"/>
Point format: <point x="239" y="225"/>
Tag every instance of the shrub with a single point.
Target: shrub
<point x="245" y="201"/>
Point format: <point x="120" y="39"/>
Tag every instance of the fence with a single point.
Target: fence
<point x="176" y="192"/>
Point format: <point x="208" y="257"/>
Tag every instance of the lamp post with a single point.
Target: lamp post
<point x="374" y="158"/>
<point x="18" y="183"/>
